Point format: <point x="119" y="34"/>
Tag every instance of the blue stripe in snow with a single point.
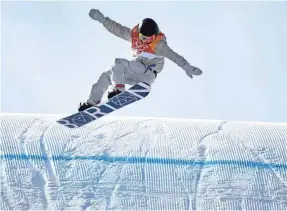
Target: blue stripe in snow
<point x="163" y="161"/>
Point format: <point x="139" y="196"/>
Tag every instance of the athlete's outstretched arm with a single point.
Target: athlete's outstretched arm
<point x="112" y="26"/>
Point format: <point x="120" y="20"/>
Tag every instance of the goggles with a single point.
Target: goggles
<point x="145" y="38"/>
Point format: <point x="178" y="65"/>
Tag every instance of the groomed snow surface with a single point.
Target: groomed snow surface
<point x="142" y="164"/>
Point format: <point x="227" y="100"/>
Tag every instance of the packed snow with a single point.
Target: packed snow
<point x="142" y="163"/>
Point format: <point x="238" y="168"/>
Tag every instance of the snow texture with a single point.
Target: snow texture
<point x="142" y="164"/>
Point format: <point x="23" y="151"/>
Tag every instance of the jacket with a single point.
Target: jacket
<point x="162" y="50"/>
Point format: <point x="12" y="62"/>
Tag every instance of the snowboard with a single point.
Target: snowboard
<point x="131" y="95"/>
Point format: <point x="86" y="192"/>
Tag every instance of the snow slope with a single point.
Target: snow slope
<point x="142" y="164"/>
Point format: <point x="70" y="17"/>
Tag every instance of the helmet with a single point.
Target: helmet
<point x="148" y="27"/>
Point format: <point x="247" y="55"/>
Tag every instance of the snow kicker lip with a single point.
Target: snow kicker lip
<point x="162" y="161"/>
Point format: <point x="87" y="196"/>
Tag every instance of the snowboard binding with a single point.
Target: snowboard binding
<point x="113" y="93"/>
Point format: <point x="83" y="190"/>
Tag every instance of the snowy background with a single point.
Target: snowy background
<point x="240" y="46"/>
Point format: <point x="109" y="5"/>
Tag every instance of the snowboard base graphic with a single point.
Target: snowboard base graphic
<point x="131" y="95"/>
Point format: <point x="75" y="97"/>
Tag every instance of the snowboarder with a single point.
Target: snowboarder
<point x="149" y="50"/>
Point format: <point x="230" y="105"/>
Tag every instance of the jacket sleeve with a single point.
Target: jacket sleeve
<point x="164" y="50"/>
<point x="117" y="29"/>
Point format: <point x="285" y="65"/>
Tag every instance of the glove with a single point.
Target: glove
<point x="191" y="70"/>
<point x="97" y="15"/>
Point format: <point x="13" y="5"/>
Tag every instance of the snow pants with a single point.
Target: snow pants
<point x="123" y="72"/>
